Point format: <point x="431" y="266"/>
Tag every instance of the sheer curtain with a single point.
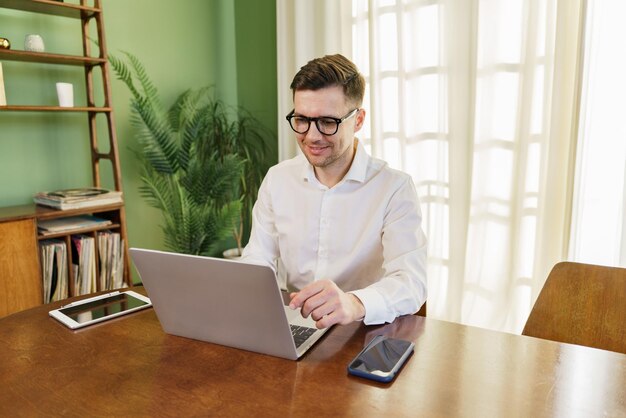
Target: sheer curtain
<point x="305" y="30"/>
<point x="598" y="224"/>
<point x="475" y="99"/>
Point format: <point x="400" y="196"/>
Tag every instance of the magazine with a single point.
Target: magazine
<point x="78" y="198"/>
<point x="53" y="226"/>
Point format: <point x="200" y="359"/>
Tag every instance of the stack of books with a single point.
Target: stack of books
<point x="84" y="264"/>
<point x="111" y="250"/>
<point x="78" y="198"/>
<point x="110" y="260"/>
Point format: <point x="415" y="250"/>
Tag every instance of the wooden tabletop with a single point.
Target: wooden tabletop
<point x="128" y="367"/>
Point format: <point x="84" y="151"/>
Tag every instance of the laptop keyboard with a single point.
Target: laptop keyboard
<point x="301" y="334"/>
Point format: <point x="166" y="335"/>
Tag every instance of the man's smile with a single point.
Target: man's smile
<point x="317" y="149"/>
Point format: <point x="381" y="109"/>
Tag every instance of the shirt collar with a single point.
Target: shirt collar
<point x="357" y="170"/>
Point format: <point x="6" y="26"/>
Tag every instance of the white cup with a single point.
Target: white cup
<point x="33" y="43"/>
<point x="65" y="91"/>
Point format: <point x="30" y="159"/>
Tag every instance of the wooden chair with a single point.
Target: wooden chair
<point x="422" y="311"/>
<point x="582" y="304"/>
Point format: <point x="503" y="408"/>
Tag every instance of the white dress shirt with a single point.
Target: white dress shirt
<point x="364" y="233"/>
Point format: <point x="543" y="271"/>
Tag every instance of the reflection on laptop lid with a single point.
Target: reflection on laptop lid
<point x="225" y="302"/>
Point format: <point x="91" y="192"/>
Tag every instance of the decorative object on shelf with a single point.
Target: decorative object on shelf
<point x="5" y="43"/>
<point x="65" y="92"/>
<point x="33" y="43"/>
<point x="3" y="97"/>
<point x="199" y="161"/>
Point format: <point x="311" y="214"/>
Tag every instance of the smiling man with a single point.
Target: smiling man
<point x="345" y="227"/>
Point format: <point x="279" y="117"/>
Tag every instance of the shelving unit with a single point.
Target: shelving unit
<point x="20" y="271"/>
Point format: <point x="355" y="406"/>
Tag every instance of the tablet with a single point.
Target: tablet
<point x="100" y="308"/>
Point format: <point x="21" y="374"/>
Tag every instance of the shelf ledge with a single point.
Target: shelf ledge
<point x="50" y="7"/>
<point x="20" y="108"/>
<point x="47" y="58"/>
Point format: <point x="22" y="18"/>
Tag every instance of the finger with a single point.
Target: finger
<point x="313" y="303"/>
<point x="322" y="310"/>
<point x="328" y="320"/>
<point x="298" y="298"/>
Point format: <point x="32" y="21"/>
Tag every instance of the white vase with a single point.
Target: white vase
<point x="65" y="93"/>
<point x="33" y="43"/>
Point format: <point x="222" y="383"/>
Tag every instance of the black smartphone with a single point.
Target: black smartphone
<point x="381" y="359"/>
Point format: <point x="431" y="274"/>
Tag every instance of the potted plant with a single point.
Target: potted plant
<point x="229" y="131"/>
<point x="202" y="162"/>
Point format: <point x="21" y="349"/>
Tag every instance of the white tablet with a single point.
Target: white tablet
<point x="100" y="308"/>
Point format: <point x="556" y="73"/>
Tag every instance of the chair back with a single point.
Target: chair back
<point x="582" y="304"/>
<point x="422" y="311"/>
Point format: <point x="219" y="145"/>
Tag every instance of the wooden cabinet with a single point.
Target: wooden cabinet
<point x="20" y="282"/>
<point x="20" y="271"/>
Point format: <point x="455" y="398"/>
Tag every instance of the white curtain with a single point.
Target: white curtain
<point x="476" y="100"/>
<point x="306" y="29"/>
<point x="598" y="221"/>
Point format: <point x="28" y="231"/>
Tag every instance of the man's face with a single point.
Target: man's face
<point x="327" y="152"/>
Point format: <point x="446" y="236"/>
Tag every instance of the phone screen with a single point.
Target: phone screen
<point x="381" y="358"/>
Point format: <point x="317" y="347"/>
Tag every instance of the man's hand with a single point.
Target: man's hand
<point x="327" y="304"/>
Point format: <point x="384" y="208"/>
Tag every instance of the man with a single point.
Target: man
<point x="345" y="226"/>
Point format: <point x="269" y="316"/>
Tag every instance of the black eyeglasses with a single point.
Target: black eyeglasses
<point x="326" y="125"/>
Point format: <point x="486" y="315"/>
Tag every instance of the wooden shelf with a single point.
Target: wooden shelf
<point x="78" y="231"/>
<point x="50" y="7"/>
<point x="31" y="210"/>
<point x="43" y="212"/>
<point x="20" y="259"/>
<point x="46" y="58"/>
<point x="24" y="108"/>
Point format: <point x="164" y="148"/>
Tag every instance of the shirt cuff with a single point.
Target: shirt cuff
<point x="375" y="307"/>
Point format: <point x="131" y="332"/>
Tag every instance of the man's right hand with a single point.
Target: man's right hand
<point x="327" y="304"/>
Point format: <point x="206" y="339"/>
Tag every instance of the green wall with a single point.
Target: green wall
<point x="183" y="44"/>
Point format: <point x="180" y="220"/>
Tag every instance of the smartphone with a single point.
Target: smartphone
<point x="381" y="359"/>
<point x="100" y="308"/>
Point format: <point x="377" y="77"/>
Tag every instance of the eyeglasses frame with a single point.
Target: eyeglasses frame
<point x="291" y="115"/>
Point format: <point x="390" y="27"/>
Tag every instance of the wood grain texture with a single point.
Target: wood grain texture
<point x="129" y="367"/>
<point x="20" y="280"/>
<point x="582" y="304"/>
<point x="49" y="58"/>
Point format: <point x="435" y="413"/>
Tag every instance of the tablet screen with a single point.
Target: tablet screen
<point x="103" y="307"/>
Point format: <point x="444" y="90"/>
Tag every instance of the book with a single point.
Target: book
<point x="84" y="264"/>
<point x="54" y="270"/>
<point x="70" y="223"/>
<point x="78" y="198"/>
<point x="111" y="252"/>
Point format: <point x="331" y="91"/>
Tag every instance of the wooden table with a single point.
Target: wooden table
<point x="128" y="367"/>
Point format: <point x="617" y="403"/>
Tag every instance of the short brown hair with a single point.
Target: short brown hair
<point x="328" y="71"/>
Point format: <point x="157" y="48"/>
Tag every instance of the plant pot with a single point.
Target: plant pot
<point x="232" y="254"/>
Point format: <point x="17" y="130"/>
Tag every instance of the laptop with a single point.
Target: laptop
<point x="226" y="302"/>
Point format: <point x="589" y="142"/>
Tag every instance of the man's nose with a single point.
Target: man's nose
<point x="313" y="132"/>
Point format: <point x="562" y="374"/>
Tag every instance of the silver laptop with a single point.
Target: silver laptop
<point x="225" y="302"/>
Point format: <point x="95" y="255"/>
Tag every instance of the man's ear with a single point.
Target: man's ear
<point x="359" y="119"/>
